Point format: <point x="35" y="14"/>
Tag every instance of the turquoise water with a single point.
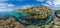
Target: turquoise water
<point x="9" y="13"/>
<point x="47" y="21"/>
<point x="18" y="16"/>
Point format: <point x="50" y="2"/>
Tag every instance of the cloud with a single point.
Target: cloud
<point x="9" y="0"/>
<point x="10" y="5"/>
<point x="26" y="6"/>
<point x="6" y="7"/>
<point x="5" y="4"/>
<point x="18" y="0"/>
<point x="3" y="0"/>
<point x="56" y="2"/>
<point x="40" y="0"/>
<point x="50" y="3"/>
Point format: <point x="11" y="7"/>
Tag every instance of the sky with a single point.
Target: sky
<point x="8" y="5"/>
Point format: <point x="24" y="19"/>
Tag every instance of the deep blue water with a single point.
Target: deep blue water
<point x="19" y="15"/>
<point x="6" y="14"/>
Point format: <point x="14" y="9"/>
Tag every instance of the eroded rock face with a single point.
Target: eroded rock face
<point x="38" y="12"/>
<point x="39" y="15"/>
<point x="10" y="23"/>
<point x="57" y="13"/>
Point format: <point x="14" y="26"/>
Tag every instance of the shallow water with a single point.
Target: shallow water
<point x="9" y="13"/>
<point x="5" y="15"/>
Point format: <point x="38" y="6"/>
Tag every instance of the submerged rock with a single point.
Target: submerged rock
<point x="4" y="16"/>
<point x="57" y="13"/>
<point x="37" y="15"/>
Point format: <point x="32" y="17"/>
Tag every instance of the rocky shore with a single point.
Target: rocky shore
<point x="12" y="23"/>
